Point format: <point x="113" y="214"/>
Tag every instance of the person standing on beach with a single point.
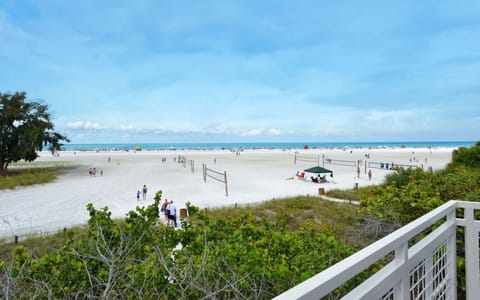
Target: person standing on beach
<point x="370" y="174"/>
<point x="172" y="213"/>
<point x="164" y="210"/>
<point x="138" y="195"/>
<point x="144" y="192"/>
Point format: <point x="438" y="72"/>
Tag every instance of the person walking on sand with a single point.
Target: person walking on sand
<point x="144" y="192"/>
<point x="138" y="195"/>
<point x="370" y="174"/>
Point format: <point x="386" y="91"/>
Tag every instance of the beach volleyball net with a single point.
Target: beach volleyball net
<point x="321" y="159"/>
<point x="215" y="175"/>
<point x="389" y="166"/>
<point x="340" y="162"/>
<point x="186" y="162"/>
<point x="307" y="158"/>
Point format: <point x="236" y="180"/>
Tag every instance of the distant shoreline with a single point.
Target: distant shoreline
<point x="265" y="145"/>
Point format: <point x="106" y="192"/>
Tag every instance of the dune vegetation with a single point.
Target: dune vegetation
<point x="30" y="173"/>
<point x="251" y="251"/>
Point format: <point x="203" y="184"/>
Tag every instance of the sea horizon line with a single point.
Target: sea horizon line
<point x="262" y="145"/>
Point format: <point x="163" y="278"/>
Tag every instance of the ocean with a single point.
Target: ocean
<point x="265" y="145"/>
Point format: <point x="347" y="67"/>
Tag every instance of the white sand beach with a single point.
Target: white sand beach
<point x="253" y="175"/>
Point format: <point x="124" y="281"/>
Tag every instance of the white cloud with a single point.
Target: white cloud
<point x="274" y="131"/>
<point x="253" y="132"/>
<point x="262" y="131"/>
<point x="75" y="124"/>
<point x="89" y="125"/>
<point x="128" y="127"/>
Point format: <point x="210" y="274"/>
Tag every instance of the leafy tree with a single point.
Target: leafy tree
<point x="25" y="128"/>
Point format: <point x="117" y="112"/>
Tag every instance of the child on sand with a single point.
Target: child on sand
<point x="138" y="195"/>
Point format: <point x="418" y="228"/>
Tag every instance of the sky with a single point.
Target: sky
<point x="233" y="71"/>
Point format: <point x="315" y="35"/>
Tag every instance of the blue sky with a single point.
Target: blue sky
<point x="213" y="71"/>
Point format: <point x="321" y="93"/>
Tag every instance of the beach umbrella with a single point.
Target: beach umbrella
<point x="319" y="170"/>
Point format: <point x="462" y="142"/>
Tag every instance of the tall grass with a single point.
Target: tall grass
<point x="351" y="194"/>
<point x="29" y="174"/>
<point x="338" y="218"/>
<point x="40" y="245"/>
<point x="344" y="194"/>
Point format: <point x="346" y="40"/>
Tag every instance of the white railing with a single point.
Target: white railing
<point x="424" y="269"/>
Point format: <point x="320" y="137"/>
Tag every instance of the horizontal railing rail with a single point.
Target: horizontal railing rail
<point x="421" y="269"/>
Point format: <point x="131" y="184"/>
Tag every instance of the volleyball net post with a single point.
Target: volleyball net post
<point x="215" y="175"/>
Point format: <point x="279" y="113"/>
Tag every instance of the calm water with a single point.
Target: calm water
<point x="266" y="145"/>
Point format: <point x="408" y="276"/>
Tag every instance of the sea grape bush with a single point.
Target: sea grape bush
<point x="406" y="195"/>
<point x="410" y="193"/>
<point x="140" y="257"/>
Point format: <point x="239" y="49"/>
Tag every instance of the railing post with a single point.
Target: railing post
<point x="452" y="256"/>
<point x="429" y="277"/>
<point x="471" y="256"/>
<point x="401" y="256"/>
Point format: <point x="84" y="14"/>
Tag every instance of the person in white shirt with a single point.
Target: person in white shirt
<point x="172" y="213"/>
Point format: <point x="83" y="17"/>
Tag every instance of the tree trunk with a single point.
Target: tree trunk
<point x="3" y="168"/>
